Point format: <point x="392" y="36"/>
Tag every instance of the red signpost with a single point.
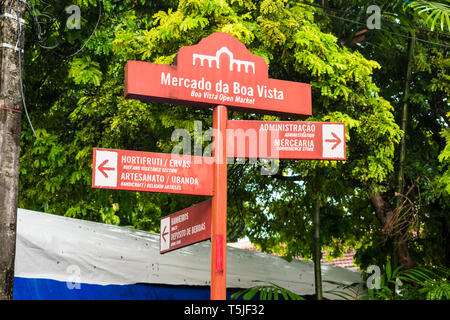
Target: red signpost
<point x="218" y="72"/>
<point x="186" y="227"/>
<point x="219" y="206"/>
<point x="153" y="172"/>
<point x="286" y="140"/>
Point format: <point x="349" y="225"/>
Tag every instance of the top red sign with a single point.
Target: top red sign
<point x="218" y="70"/>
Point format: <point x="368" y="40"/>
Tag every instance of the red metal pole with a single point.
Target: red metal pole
<point x="219" y="206"/>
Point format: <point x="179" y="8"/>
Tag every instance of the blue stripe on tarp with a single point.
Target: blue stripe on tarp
<point x="47" y="289"/>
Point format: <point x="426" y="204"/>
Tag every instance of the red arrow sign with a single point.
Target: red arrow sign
<point x="103" y="169"/>
<point x="285" y="140"/>
<point x="152" y="172"/>
<point x="186" y="227"/>
<point x="336" y="140"/>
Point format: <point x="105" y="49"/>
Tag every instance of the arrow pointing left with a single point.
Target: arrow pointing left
<point x="164" y="234"/>
<point x="164" y="243"/>
<point x="105" y="168"/>
<point x="102" y="168"/>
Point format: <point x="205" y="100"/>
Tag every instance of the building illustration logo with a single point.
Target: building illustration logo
<point x="239" y="63"/>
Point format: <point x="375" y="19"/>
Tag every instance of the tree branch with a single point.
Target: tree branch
<point x="382" y="207"/>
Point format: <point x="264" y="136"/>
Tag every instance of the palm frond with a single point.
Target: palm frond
<point x="433" y="13"/>
<point x="267" y="292"/>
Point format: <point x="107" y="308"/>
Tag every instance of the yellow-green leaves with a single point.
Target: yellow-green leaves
<point x="85" y="71"/>
<point x="271" y="34"/>
<point x="443" y="183"/>
<point x="239" y="31"/>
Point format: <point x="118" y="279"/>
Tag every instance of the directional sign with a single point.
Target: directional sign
<point x="218" y="70"/>
<point x="186" y="227"/>
<point x="286" y="140"/>
<point x="153" y="172"/>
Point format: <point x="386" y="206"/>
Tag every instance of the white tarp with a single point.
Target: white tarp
<point x="56" y="247"/>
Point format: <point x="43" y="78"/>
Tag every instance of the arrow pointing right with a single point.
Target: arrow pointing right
<point x="336" y="140"/>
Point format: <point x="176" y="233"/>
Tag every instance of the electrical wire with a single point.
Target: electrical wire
<point x="20" y="48"/>
<point x="40" y="36"/>
<point x="381" y="17"/>
<point x="394" y="33"/>
<point x="18" y="45"/>
<point x="391" y="32"/>
<point x="95" y="28"/>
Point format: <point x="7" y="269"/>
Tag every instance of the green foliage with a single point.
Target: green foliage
<point x="426" y="124"/>
<point x="84" y="109"/>
<point x="443" y="184"/>
<point x="434" y="13"/>
<point x="427" y="283"/>
<point x="388" y="284"/>
<point x="85" y="71"/>
<point x="352" y="291"/>
<point x="267" y="292"/>
<point x="432" y="282"/>
<point x="77" y="102"/>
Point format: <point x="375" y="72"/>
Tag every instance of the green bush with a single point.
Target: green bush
<point x="419" y="283"/>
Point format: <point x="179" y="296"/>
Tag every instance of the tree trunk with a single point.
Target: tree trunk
<point x="13" y="11"/>
<point x="400" y="250"/>
<point x="384" y="213"/>
<point x="404" y="122"/>
<point x="403" y="255"/>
